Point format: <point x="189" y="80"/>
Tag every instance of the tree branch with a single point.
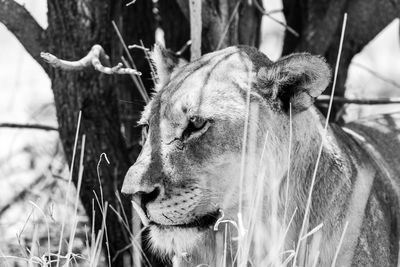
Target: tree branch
<point x="323" y="99"/>
<point x="94" y="58"/>
<point x="28" y="126"/>
<point x="269" y="14"/>
<point x="22" y="194"/>
<point x="25" y="28"/>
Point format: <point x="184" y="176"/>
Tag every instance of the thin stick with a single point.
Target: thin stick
<point x="78" y="188"/>
<point x="309" y="199"/>
<point x="140" y="212"/>
<point x="359" y="101"/>
<point x="184" y="48"/>
<point x="289" y="159"/>
<point x="28" y="126"/>
<point x="135" y="80"/>
<point x="133" y="239"/>
<point x="225" y="245"/>
<point x="340" y="244"/>
<point x="313" y="231"/>
<point x="135" y="46"/>
<point x="21" y="194"/>
<point x="126" y="51"/>
<point x="147" y="55"/>
<point x="69" y="185"/>
<point x="242" y="174"/>
<point x="398" y="256"/>
<point x="2" y="256"/>
<point x="234" y="12"/>
<point x="101" y="204"/>
<point x="47" y="226"/>
<point x="131" y="3"/>
<point x="268" y="14"/>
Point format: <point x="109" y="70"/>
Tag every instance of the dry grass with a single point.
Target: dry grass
<point x="34" y="254"/>
<point x="251" y="228"/>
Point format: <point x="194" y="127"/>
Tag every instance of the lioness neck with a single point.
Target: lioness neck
<point x="322" y="165"/>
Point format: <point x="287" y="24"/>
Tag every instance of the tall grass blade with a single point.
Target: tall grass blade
<point x="340" y="244"/>
<point x="69" y="185"/>
<point x="309" y="199"/>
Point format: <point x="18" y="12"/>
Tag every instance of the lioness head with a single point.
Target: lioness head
<point x="213" y="125"/>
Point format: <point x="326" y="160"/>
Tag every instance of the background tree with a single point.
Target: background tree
<point x="319" y="25"/>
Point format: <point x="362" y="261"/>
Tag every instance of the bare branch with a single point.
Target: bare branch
<point x="359" y="101"/>
<point x="22" y="194"/>
<point x="96" y="58"/>
<point x="28" y="126"/>
<point x="232" y="17"/>
<point x="268" y="14"/>
<point x="376" y="74"/>
<point x="25" y="28"/>
<point x="131" y="3"/>
<point x="184" y="48"/>
<point x="137" y="80"/>
<point x="138" y="47"/>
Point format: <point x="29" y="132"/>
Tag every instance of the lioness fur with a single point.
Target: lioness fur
<point x="234" y="133"/>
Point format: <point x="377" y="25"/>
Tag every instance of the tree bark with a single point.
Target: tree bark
<point x="175" y="26"/>
<point x="319" y="25"/>
<point x="74" y="26"/>
<point x="226" y="23"/>
<point x="25" y="28"/>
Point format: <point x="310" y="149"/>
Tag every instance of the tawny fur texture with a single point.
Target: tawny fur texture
<point x="234" y="133"/>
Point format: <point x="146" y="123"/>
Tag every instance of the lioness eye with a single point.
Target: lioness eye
<point x="197" y="122"/>
<point x="197" y="126"/>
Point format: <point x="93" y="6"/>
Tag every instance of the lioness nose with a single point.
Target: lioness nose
<point x="141" y="191"/>
<point x="145" y="197"/>
<point x="139" y="183"/>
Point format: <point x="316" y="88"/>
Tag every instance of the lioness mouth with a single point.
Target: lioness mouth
<point x="202" y="222"/>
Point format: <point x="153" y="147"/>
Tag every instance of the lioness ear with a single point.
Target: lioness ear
<point x="297" y="79"/>
<point x="165" y="62"/>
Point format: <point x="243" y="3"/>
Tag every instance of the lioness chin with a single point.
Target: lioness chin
<point x="233" y="144"/>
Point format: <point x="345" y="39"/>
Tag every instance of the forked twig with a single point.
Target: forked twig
<point x="96" y="57"/>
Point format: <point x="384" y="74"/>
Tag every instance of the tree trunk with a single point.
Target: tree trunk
<point x="175" y="25"/>
<point x="74" y="26"/>
<point x="226" y="23"/>
<point x="319" y="24"/>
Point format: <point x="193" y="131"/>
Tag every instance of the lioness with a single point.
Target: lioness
<point x="233" y="145"/>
